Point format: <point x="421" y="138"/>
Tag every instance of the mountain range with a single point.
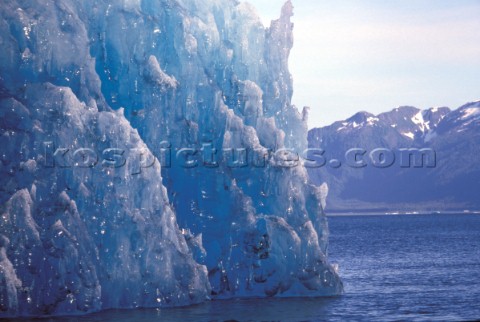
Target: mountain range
<point x="441" y="173"/>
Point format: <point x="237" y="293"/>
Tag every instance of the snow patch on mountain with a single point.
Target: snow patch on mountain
<point x="470" y="112"/>
<point x="372" y="120"/>
<point x="409" y="135"/>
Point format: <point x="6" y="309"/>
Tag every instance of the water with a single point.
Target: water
<point x="393" y="267"/>
<point x="408" y="267"/>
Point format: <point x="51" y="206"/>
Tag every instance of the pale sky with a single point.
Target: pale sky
<point x="375" y="55"/>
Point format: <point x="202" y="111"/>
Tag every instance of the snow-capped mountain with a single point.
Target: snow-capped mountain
<point x="465" y="118"/>
<point x="113" y="190"/>
<point x="410" y="122"/>
<point x="451" y="184"/>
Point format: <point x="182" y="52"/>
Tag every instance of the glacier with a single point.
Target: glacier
<point x="96" y="100"/>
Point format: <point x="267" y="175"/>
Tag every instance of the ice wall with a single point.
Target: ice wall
<point x="147" y="77"/>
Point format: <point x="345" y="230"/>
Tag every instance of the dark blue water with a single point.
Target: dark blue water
<point x="408" y="267"/>
<point x="393" y="268"/>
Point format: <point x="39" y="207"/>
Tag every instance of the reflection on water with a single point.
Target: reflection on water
<point x="235" y="310"/>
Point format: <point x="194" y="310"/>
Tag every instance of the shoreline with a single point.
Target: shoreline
<point x="400" y="213"/>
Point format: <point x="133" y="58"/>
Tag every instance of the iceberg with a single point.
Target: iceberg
<point x="146" y="158"/>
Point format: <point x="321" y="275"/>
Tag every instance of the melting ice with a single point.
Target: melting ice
<point x="84" y="235"/>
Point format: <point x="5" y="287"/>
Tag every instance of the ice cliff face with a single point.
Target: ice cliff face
<point x="95" y="95"/>
<point x="82" y="238"/>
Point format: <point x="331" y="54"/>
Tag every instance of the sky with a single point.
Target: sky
<point x="376" y="55"/>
